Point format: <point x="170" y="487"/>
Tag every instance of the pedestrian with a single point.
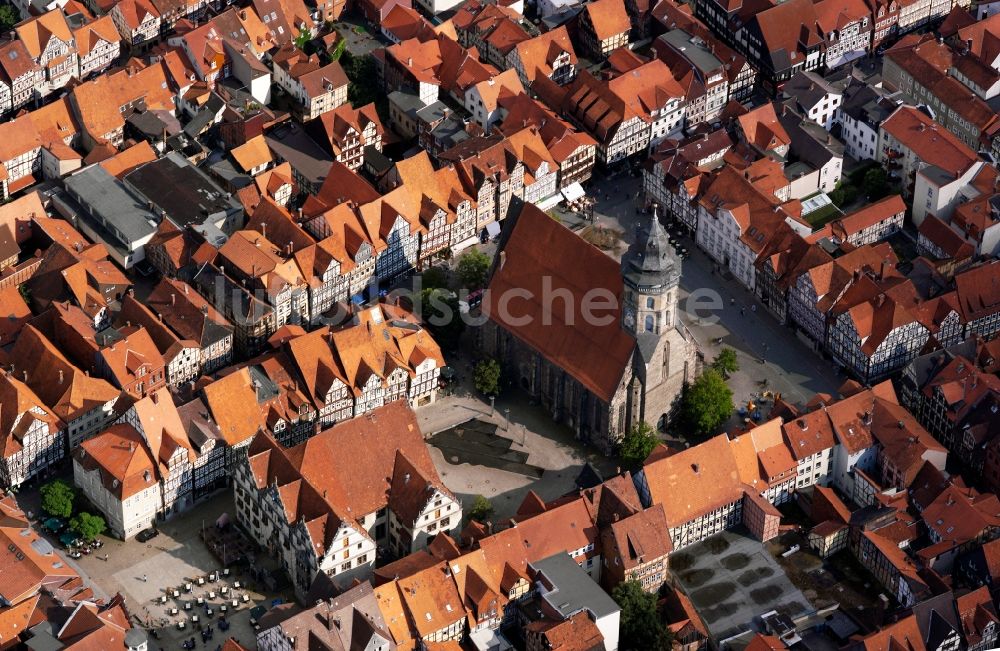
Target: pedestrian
<point x="753" y="308"/>
<point x="732" y="301"/>
<point x="743" y="311"/>
<point x="144" y="580"/>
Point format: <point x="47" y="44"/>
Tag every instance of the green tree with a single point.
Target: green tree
<point x="481" y="509"/>
<point x="875" y="183"/>
<point x="706" y="403"/>
<point x="303" y="38"/>
<point x="725" y="362"/>
<point x="474" y="269"/>
<point x="637" y="444"/>
<point x="434" y="278"/>
<point x="87" y="525"/>
<point x="8" y="17"/>
<point x="57" y="498"/>
<point x="487" y="377"/>
<point x="640" y="626"/>
<point x="440" y="311"/>
<point x="843" y="194"/>
<point x="363" y="87"/>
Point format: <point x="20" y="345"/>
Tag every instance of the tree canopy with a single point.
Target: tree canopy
<point x="707" y="403"/>
<point x="434" y="278"/>
<point x="875" y="183"/>
<point x="473" y="269"/>
<point x="57" y="498"/>
<point x="487" y="377"/>
<point x="640" y="627"/>
<point x="363" y="88"/>
<point x="637" y="444"/>
<point x="87" y="525"/>
<point x="481" y="509"/>
<point x="440" y="311"/>
<point x="8" y="17"/>
<point x="725" y="362"/>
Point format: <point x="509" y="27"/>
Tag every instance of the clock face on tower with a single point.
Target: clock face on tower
<point x="629" y="317"/>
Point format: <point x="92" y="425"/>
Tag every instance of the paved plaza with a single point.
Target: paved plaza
<point x="143" y="572"/>
<point x="551" y="449"/>
<point x="732" y="580"/>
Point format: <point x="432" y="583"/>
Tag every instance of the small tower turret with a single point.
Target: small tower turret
<point x="651" y="271"/>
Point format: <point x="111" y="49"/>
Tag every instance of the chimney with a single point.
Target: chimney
<point x="263" y="229"/>
<point x="886" y="266"/>
<point x="185" y="288"/>
<point x="154" y="397"/>
<point x="173" y="300"/>
<point x="60" y="376"/>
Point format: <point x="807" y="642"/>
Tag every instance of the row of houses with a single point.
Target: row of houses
<point x="70" y="378"/>
<point x="780" y="39"/>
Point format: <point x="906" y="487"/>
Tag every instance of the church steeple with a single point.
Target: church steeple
<point x="651" y="271"/>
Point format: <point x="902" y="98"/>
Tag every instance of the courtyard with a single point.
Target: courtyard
<point x="732" y="580"/>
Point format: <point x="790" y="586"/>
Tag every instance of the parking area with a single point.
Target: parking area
<point x="732" y="580"/>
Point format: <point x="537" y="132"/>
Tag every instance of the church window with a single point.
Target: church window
<point x="650" y="322"/>
<point x="649" y="302"/>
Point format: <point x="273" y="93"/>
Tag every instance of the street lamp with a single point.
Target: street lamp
<point x="506" y="416"/>
<point x="492" y="400"/>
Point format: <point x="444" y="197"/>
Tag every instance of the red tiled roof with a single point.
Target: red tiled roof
<point x="541" y="248"/>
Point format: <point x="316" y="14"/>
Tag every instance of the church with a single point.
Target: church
<point x="597" y="343"/>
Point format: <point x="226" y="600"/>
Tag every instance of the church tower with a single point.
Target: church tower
<point x="665" y="353"/>
<point x="651" y="271"/>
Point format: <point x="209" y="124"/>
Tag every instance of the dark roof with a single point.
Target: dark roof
<point x="183" y="192"/>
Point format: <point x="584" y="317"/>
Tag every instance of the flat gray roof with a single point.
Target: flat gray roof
<point x="694" y="49"/>
<point x="573" y="589"/>
<point x="108" y="200"/>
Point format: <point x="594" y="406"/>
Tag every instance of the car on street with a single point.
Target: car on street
<point x="147" y="534"/>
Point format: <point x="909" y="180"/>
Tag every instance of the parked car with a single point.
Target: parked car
<point x="147" y="534"/>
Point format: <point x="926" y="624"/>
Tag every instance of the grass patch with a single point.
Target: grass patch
<point x="819" y="218"/>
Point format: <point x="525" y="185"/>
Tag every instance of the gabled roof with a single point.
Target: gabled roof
<point x="321" y="481"/>
<point x="607" y="18"/>
<point x="694" y="481"/>
<point x="930" y="142"/>
<point x="65" y="389"/>
<point x="122" y="458"/>
<point x="252" y="153"/>
<point x="539" y="247"/>
<point x="94" y="32"/>
<point x="36" y="32"/>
